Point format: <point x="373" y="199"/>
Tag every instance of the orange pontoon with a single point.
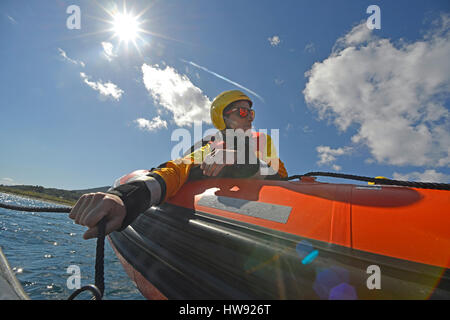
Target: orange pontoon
<point x="264" y="239"/>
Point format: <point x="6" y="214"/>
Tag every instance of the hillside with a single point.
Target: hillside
<point x="66" y="197"/>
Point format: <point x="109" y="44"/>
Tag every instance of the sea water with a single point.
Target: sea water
<point x="40" y="247"/>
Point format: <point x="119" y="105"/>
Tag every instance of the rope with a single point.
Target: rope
<point x="35" y="209"/>
<point x="100" y="257"/>
<point x="98" y="289"/>
<point x="93" y="289"/>
<point x="414" y="184"/>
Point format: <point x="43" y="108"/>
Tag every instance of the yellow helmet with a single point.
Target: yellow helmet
<point x="221" y="102"/>
<point x="379" y="177"/>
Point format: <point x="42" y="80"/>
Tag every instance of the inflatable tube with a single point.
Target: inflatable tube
<point x="10" y="287"/>
<point x="260" y="239"/>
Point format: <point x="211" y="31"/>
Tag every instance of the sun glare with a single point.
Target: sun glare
<point x="125" y="26"/>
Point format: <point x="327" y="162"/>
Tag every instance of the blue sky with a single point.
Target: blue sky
<point x="80" y="107"/>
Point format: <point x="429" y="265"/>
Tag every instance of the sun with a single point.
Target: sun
<point x="126" y="27"/>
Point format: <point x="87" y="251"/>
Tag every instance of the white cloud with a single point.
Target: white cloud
<point x="151" y="125"/>
<point x="177" y="94"/>
<point x="358" y="35"/>
<point x="328" y="155"/>
<point x="63" y="54"/>
<point x="107" y="89"/>
<point x="426" y="176"/>
<point x="274" y="41"/>
<point x="278" y="81"/>
<point x="108" y="50"/>
<point x="13" y="21"/>
<point x="395" y="94"/>
<point x="6" y="181"/>
<point x="310" y="48"/>
<point x="306" y="129"/>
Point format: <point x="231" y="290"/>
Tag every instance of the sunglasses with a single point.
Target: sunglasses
<point x="243" y="112"/>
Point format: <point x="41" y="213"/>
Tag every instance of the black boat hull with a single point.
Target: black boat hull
<point x="179" y="253"/>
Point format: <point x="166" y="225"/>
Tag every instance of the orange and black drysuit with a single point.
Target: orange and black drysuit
<point x="154" y="187"/>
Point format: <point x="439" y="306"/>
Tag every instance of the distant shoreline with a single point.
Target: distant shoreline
<point x="38" y="197"/>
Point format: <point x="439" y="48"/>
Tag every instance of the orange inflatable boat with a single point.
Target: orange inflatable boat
<point x="263" y="239"/>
